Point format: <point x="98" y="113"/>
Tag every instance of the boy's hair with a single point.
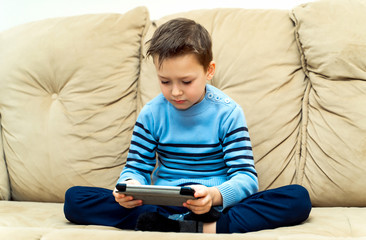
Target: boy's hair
<point x="181" y="36"/>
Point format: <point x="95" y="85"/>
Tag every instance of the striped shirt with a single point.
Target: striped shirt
<point x="206" y="144"/>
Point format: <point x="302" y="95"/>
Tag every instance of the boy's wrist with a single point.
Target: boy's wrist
<point x="216" y="196"/>
<point x="132" y="181"/>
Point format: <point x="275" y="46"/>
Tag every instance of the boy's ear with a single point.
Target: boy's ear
<point x="211" y="70"/>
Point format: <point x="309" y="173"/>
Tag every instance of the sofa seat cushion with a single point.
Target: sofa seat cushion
<point x="47" y="219"/>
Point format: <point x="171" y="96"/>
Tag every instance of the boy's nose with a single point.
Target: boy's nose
<point x="176" y="91"/>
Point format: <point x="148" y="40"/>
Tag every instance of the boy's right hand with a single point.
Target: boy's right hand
<point x="125" y="200"/>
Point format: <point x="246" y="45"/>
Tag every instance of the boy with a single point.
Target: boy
<point x="201" y="140"/>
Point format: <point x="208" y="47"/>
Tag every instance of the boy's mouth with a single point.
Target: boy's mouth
<point x="179" y="101"/>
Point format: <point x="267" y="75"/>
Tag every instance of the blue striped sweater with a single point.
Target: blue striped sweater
<point x="206" y="144"/>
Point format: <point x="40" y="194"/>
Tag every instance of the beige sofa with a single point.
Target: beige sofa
<point x="71" y="88"/>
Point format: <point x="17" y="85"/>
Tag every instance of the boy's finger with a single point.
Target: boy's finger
<point x="134" y="203"/>
<point x="197" y="202"/>
<point x="119" y="196"/>
<point x="198" y="210"/>
<point x="127" y="199"/>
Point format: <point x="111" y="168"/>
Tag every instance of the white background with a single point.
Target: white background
<point x="15" y="12"/>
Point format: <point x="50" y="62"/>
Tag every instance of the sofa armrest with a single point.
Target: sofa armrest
<point x="4" y="177"/>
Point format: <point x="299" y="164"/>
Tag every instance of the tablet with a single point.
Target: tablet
<point x="157" y="195"/>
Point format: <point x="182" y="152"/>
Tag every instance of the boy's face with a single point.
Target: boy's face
<point x="183" y="80"/>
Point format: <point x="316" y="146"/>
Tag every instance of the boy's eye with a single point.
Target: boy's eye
<point x="187" y="82"/>
<point x="164" y="82"/>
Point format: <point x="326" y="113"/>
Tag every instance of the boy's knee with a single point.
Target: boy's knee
<point x="302" y="199"/>
<point x="70" y="205"/>
<point x="70" y="194"/>
<point x="71" y="190"/>
<point x="301" y="193"/>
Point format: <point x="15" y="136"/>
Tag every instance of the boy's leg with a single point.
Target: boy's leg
<point x="284" y="206"/>
<point x="97" y="206"/>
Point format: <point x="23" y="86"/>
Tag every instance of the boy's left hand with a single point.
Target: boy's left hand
<point x="207" y="197"/>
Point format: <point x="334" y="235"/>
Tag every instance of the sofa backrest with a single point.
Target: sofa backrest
<point x="258" y="65"/>
<point x="71" y="89"/>
<point x="68" y="101"/>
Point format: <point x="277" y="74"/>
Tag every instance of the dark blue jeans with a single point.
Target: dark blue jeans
<point x="284" y="206"/>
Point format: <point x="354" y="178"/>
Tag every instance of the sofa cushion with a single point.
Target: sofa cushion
<point x="331" y="35"/>
<point x="67" y="101"/>
<point x="4" y="178"/>
<point x="258" y="65"/>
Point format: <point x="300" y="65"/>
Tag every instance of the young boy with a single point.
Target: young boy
<point x="201" y="140"/>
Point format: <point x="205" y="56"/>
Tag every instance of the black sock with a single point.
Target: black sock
<point x="212" y="216"/>
<point x="153" y="221"/>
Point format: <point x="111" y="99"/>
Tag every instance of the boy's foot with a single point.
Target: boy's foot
<point x="153" y="221"/>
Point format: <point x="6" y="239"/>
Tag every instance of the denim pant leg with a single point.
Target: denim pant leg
<point x="284" y="206"/>
<point x="97" y="206"/>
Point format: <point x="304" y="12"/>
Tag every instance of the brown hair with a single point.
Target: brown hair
<point x="181" y="36"/>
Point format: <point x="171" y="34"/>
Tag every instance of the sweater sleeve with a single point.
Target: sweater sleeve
<point x="141" y="158"/>
<point x="238" y="156"/>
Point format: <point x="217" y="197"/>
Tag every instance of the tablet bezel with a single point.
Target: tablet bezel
<point x="156" y="194"/>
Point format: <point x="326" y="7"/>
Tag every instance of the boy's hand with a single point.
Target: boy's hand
<point x="127" y="201"/>
<point x="207" y="197"/>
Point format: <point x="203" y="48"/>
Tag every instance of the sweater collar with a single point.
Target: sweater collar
<point x="196" y="109"/>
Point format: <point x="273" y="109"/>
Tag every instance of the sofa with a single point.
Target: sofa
<point x="72" y="87"/>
